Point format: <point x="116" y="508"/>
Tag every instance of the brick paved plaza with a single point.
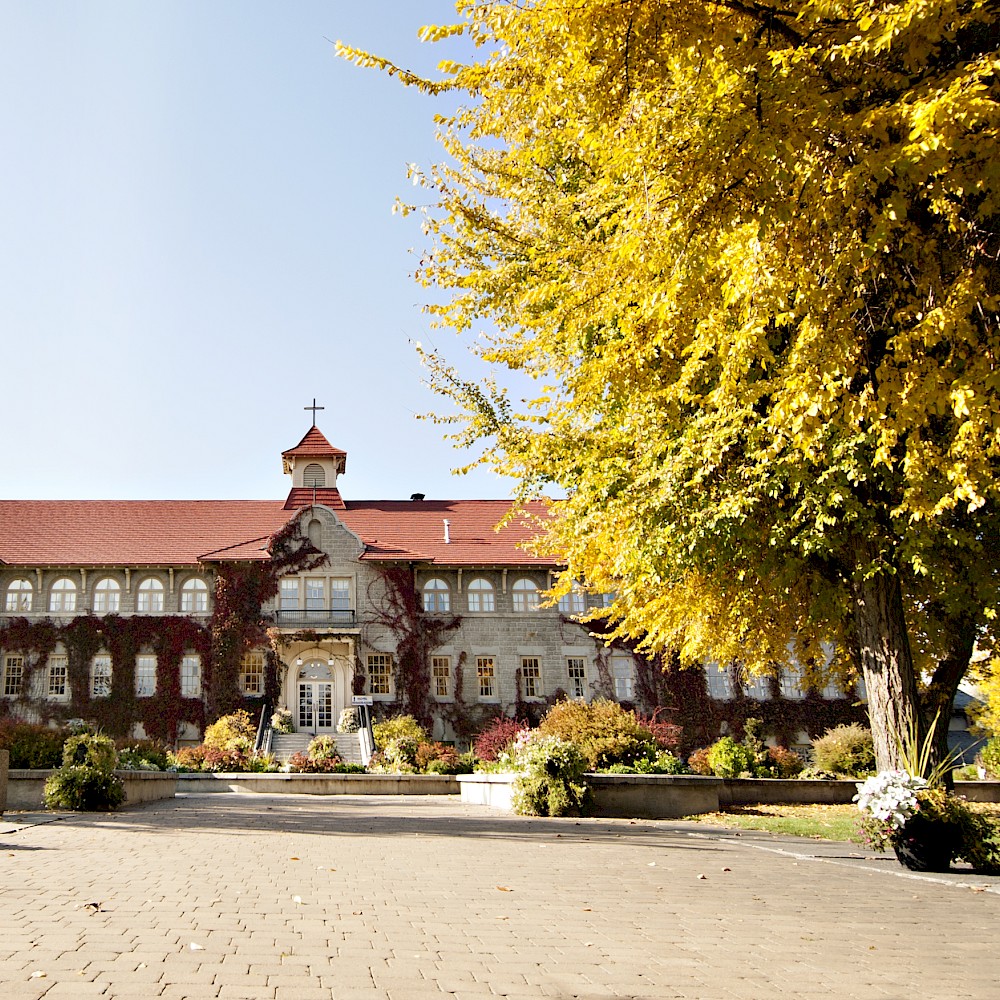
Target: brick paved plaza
<point x="392" y="898"/>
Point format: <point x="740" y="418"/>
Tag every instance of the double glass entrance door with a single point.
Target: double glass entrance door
<point x="315" y="707"/>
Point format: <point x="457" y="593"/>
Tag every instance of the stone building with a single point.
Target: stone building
<point x="155" y="617"/>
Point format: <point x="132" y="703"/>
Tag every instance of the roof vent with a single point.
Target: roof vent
<point x="447" y="535"/>
<point x="417" y="496"/>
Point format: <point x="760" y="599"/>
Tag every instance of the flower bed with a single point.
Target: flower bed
<point x="26" y="788"/>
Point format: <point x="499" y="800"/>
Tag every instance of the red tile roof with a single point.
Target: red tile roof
<point x="304" y="496"/>
<point x="315" y="445"/>
<point x="184" y="532"/>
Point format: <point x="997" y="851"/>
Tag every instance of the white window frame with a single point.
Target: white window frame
<point x="145" y="675"/>
<point x="623" y="676"/>
<point x="101" y="676"/>
<point x="574" y="603"/>
<point x="62" y="595"/>
<point x="436" y="596"/>
<point x="758" y="688"/>
<point x="107" y="596"/>
<point x="790" y="684"/>
<point x="20" y="594"/>
<point x="13" y="675"/>
<point x="441" y="672"/>
<point x="340" y="593"/>
<point x="531" y="677"/>
<point x="486" y="676"/>
<point x="252" y="667"/>
<point x="315" y="601"/>
<point x="719" y="680"/>
<point x="150" y="596"/>
<point x="576" y="674"/>
<point x="194" y="596"/>
<point x="291" y="593"/>
<point x="524" y="595"/>
<point x="191" y="675"/>
<point x="57" y="676"/>
<point x="481" y="595"/>
<point x="380" y="675"/>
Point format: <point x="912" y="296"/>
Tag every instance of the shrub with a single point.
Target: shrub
<point x="552" y="780"/>
<point x="86" y="780"/>
<point x="729" y="759"/>
<point x="698" y="762"/>
<point x="190" y="758"/>
<point x="497" y="737"/>
<point x="845" y="750"/>
<point x="323" y="748"/>
<point x="395" y="728"/>
<point x="784" y="762"/>
<point x="32" y="746"/>
<point x="143" y="755"/>
<point x="234" y="732"/>
<point x="281" y="721"/>
<point x="990" y="756"/>
<point x="445" y="758"/>
<point x="301" y="763"/>
<point x="604" y="732"/>
<point x="348" y="722"/>
<point x="666" y="734"/>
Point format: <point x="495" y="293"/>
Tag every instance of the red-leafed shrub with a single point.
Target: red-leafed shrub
<point x="497" y="737"/>
<point x="667" y="734"/>
<point x="190" y="758"/>
<point x="698" y="761"/>
<point x="786" y="762"/>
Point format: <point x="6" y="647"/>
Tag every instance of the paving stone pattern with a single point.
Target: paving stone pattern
<point x="393" y="898"/>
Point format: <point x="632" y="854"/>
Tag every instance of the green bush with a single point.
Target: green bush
<point x="235" y="732"/>
<point x="603" y="731"/>
<point x="729" y="759"/>
<point x="323" y="748"/>
<point x="143" y="755"/>
<point x="551" y="782"/>
<point x="990" y="756"/>
<point x="397" y="727"/>
<point x="32" y="746"/>
<point x="86" y="780"/>
<point x="846" y="750"/>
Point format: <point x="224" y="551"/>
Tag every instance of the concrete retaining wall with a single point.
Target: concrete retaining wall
<point x="320" y="784"/>
<point x="26" y="789"/>
<point x="4" y="761"/>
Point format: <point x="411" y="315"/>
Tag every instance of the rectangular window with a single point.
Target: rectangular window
<point x="58" y="673"/>
<point x="289" y="595"/>
<point x="623" y="675"/>
<point x="758" y="688"/>
<point x="145" y="676"/>
<point x="252" y="673"/>
<point x="720" y="682"/>
<point x="13" y="675"/>
<point x="379" y="673"/>
<point x="486" y="672"/>
<point x="573" y="603"/>
<point x="576" y="671"/>
<point x="100" y="676"/>
<point x="340" y="595"/>
<point x="790" y="682"/>
<point x="441" y="674"/>
<point x="191" y="676"/>
<point x="833" y="691"/>
<point x="315" y="594"/>
<point x="531" y="677"/>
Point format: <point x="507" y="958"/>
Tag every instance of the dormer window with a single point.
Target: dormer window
<point x="314" y="476"/>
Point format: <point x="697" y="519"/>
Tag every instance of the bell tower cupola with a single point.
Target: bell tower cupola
<point x="314" y="465"/>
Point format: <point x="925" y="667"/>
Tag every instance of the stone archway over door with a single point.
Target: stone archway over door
<point x="319" y="694"/>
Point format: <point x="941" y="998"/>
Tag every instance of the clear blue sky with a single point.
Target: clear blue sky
<point x="196" y="239"/>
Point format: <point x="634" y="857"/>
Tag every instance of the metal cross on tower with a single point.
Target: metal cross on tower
<point x="314" y="408"/>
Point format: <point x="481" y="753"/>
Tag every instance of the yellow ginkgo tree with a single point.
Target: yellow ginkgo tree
<point x="747" y="254"/>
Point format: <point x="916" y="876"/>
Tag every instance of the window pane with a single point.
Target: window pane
<point x="107" y="596"/>
<point x="58" y="669"/>
<point x="577" y="672"/>
<point x="315" y="594"/>
<point x="100" y="676"/>
<point x="190" y="676"/>
<point x="525" y="595"/>
<point x="481" y="597"/>
<point x="437" y="597"/>
<point x="573" y="603"/>
<point x="622" y="671"/>
<point x="531" y="677"/>
<point x="252" y="673"/>
<point x="150" y="596"/>
<point x="441" y="672"/>
<point x="145" y="676"/>
<point x="290" y="595"/>
<point x="194" y="596"/>
<point x="380" y="673"/>
<point x="13" y="675"/>
<point x="62" y="597"/>
<point x="340" y="595"/>
<point x="486" y="675"/>
<point x="18" y="596"/>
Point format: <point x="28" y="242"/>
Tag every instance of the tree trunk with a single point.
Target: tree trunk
<point x="880" y="627"/>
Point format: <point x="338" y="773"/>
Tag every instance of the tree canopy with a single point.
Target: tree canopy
<point x="748" y="254"/>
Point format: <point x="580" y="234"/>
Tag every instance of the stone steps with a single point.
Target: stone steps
<point x="283" y="745"/>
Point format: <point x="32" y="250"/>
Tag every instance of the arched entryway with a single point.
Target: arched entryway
<point x="319" y="690"/>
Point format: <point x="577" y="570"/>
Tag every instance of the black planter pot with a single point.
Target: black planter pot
<point x="926" y="845"/>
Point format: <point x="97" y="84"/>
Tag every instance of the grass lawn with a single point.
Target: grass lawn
<point x="818" y="822"/>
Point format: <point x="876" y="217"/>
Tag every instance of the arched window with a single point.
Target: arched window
<point x="194" y="596"/>
<point x="62" y="595"/>
<point x="525" y="595"/>
<point x="437" y="596"/>
<point x="107" y="596"/>
<point x="150" y="595"/>
<point x="481" y="596"/>
<point x="315" y="532"/>
<point x="19" y="596"/>
<point x="314" y="475"/>
<point x="573" y="603"/>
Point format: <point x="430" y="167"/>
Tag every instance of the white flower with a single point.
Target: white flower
<point x="890" y="796"/>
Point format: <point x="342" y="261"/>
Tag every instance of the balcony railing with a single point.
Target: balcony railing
<point x="315" y="616"/>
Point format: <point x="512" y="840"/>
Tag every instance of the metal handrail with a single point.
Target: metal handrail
<point x="263" y="742"/>
<point x="324" y="616"/>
